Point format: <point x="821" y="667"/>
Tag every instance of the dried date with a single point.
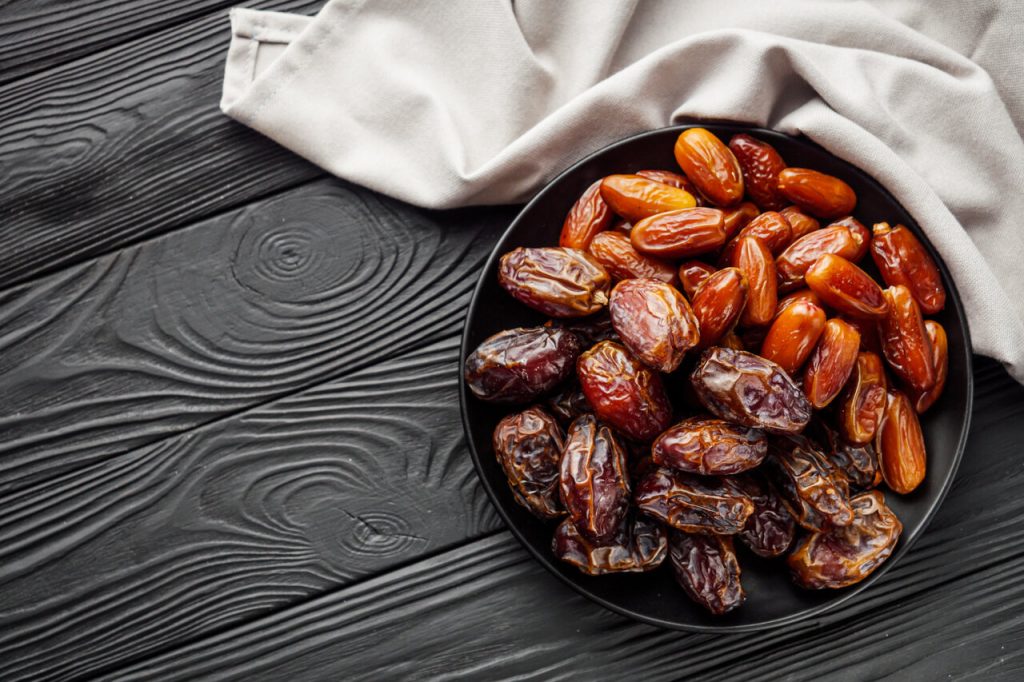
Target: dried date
<point x="863" y="400"/>
<point x="708" y="446"/>
<point x="793" y="335"/>
<point x="793" y="263"/>
<point x="557" y="281"/>
<point x="905" y="342"/>
<point x="900" y="445"/>
<point x="903" y="260"/>
<point x="640" y="545"/>
<point x="692" y="274"/>
<point x="694" y="504"/>
<point x="634" y="197"/>
<point x="845" y="287"/>
<point x="755" y="261"/>
<point x="770" y="529"/>
<point x="615" y="252"/>
<point x="680" y="234"/>
<point x="760" y="165"/>
<point x="821" y="195"/>
<point x="593" y="480"/>
<point x="940" y="361"/>
<point x="857" y="462"/>
<point x="814" y="491"/>
<point x="707" y="569"/>
<point x="710" y="165"/>
<point x="518" y="365"/>
<point x="831" y="363"/>
<point x="588" y="216"/>
<point x="718" y="304"/>
<point x="528" y="445"/>
<point x="654" y="321"/>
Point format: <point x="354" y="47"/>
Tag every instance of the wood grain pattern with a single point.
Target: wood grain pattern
<point x="125" y="144"/>
<point x="35" y="34"/>
<point x="237" y="519"/>
<point x="950" y="610"/>
<point x="234" y="311"/>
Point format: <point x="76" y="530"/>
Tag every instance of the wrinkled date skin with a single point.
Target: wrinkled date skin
<point x="718" y="304"/>
<point x="863" y="400"/>
<point x="793" y="335"/>
<point x="747" y="389"/>
<point x="770" y="529"/>
<point x="710" y="447"/>
<point x="518" y="365"/>
<point x="811" y="488"/>
<point x="839" y="557"/>
<point x="738" y="218"/>
<point x="821" y="195"/>
<point x="799" y="222"/>
<point x="593" y="480"/>
<point x="902" y="260"/>
<point x="528" y="445"/>
<point x="635" y="197"/>
<point x="568" y="404"/>
<point x="771" y="228"/>
<point x="793" y="263"/>
<point x="707" y="569"/>
<point x="615" y="252"/>
<point x="692" y="274"/>
<point x="940" y="361"/>
<point x="858" y="463"/>
<point x="846" y="288"/>
<point x="588" y="216"/>
<point x="623" y="392"/>
<point x="905" y="342"/>
<point x="755" y="261"/>
<point x="589" y="330"/>
<point x="710" y="165"/>
<point x="680" y="234"/>
<point x="669" y="178"/>
<point x="640" y="545"/>
<point x="654" y="321"/>
<point x="831" y="363"/>
<point x="556" y="281"/>
<point x="760" y="165"/>
<point x="695" y="504"/>
<point x="900" y="445"/>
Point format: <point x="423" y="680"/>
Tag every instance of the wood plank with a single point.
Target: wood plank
<point x="237" y="519"/>
<point x="127" y="143"/>
<point x="36" y="35"/>
<point x="951" y="608"/>
<point x="234" y="311"/>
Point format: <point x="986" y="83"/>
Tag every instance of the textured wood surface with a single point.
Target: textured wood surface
<point x="950" y="610"/>
<point x="126" y="143"/>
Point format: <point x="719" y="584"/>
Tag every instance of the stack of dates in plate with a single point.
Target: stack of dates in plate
<point x="719" y="374"/>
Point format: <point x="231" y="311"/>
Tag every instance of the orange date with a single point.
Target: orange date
<point x="864" y="399"/>
<point x="710" y="165"/>
<point x="793" y="335"/>
<point x="940" y="361"/>
<point x="634" y="197"/>
<point x="900" y="445"/>
<point x="905" y="342"/>
<point x="831" y="363"/>
<point x="680" y="234"/>
<point x="800" y="255"/>
<point x="846" y="288"/>
<point x="821" y="195"/>
<point x="692" y="274"/>
<point x="588" y="216"/>
<point x="902" y="259"/>
<point x="615" y="252"/>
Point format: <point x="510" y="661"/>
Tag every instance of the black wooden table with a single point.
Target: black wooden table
<point x="229" y="434"/>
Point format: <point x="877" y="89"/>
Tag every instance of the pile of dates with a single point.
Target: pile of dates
<point x="718" y="371"/>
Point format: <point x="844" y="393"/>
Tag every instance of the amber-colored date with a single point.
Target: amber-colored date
<point x="747" y="389"/>
<point x="861" y="235"/>
<point x="902" y="260"/>
<point x="639" y="545"/>
<point x="738" y="218"/>
<point x="793" y="335"/>
<point x="588" y="216"/>
<point x="900" y="445"/>
<point x="793" y="263"/>
<point x="821" y="195"/>
<point x="940" y="361"/>
<point x="868" y="330"/>
<point x="518" y="365"/>
<point x="654" y="321"/>
<point x="843" y="556"/>
<point x="845" y="287"/>
<point x="593" y="480"/>
<point x="755" y="261"/>
<point x="812" y="490"/>
<point x="771" y="228"/>
<point x="684" y="233"/>
<point x="669" y="178"/>
<point x="615" y="252"/>
<point x="770" y="529"/>
<point x="718" y="304"/>
<point x="860" y="410"/>
<point x="760" y="165"/>
<point x="799" y="222"/>
<point x="905" y="342"/>
<point x="528" y="445"/>
<point x="635" y="197"/>
<point x="692" y="274"/>
<point x="800" y="295"/>
<point x="695" y="504"/>
<point x="623" y="392"/>
<point x="857" y="462"/>
<point x="557" y="281"/>
<point x="710" y="447"/>
<point x="831" y="363"/>
<point x="707" y="569"/>
<point x="710" y="165"/>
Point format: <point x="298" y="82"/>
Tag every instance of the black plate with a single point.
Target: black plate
<point x="654" y="598"/>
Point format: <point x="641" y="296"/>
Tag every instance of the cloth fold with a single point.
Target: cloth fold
<point x="444" y="104"/>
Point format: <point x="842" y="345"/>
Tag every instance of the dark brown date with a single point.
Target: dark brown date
<point x="623" y="392"/>
<point x="770" y="529"/>
<point x="654" y="321"/>
<point x="568" y="403"/>
<point x="640" y="545"/>
<point x="593" y="480"/>
<point x="705" y="566"/>
<point x="708" y="446"/>
<point x="616" y="254"/>
<point x="747" y="389"/>
<point x="858" y="463"/>
<point x="528" y="445"/>
<point x="839" y="557"/>
<point x="811" y="488"/>
<point x="556" y="281"/>
<point x="695" y="504"/>
<point x="761" y="165"/>
<point x="588" y="216"/>
<point x="518" y="365"/>
<point x="589" y="330"/>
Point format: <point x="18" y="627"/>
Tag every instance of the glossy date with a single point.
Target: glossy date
<point x="708" y="446"/>
<point x="694" y="504"/>
<point x="518" y="365"/>
<point x="557" y="281"/>
<point x="718" y="304"/>
<point x="635" y="197"/>
<point x="812" y="489"/>
<point x="707" y="569"/>
<point x="528" y="445"/>
<point x="760" y="165"/>
<point x="770" y="529"/>
<point x="588" y="216"/>
<point x="654" y="321"/>
<point x="593" y="480"/>
<point x="639" y="545"/>
<point x="903" y="260"/>
<point x="710" y="165"/>
<point x="615" y="252"/>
